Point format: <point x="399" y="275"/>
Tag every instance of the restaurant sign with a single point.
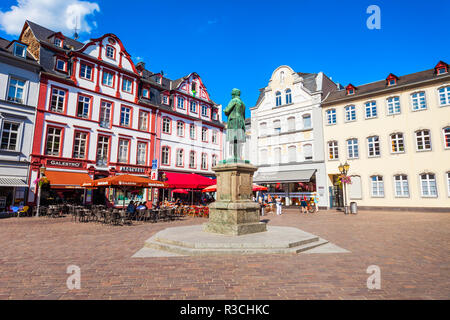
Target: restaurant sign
<point x="68" y="164"/>
<point x="132" y="169"/>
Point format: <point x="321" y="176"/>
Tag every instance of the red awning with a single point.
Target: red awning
<point x="188" y="180"/>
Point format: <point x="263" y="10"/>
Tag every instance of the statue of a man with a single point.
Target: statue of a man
<point x="235" y="111"/>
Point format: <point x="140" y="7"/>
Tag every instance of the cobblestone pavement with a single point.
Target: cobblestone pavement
<point x="411" y="249"/>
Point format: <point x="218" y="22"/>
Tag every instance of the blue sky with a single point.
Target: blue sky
<point x="239" y="43"/>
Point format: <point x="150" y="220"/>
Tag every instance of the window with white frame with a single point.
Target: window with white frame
<point x="214" y="137"/>
<point x="58" y="100"/>
<point x="166" y="125"/>
<point x="79" y="146"/>
<point x="352" y="148"/>
<point x="377" y="186"/>
<point x="350" y="113"/>
<point x="10" y="135"/>
<point x="192" y="159"/>
<point x="60" y="65"/>
<point x="278" y="98"/>
<point x="165" y="99"/>
<point x="277" y="156"/>
<point x="127" y="85"/>
<point x="307" y="151"/>
<point x="204" y="134"/>
<point x="444" y="96"/>
<point x="57" y="42"/>
<point x="393" y="105"/>
<point x="143" y="120"/>
<point x="292" y="153"/>
<point x="16" y="90"/>
<point x="291" y="124"/>
<point x="428" y="185"/>
<point x="277" y="127"/>
<point x="371" y="109"/>
<point x="102" y="150"/>
<point x="105" y="114"/>
<point x="83" y="106"/>
<point x="180" y="102"/>
<point x="288" y="96"/>
<point x="192" y="131"/>
<point x="204" y="161"/>
<point x="418" y="101"/>
<point x="141" y="153"/>
<point x="214" y="160"/>
<point x="125" y="116"/>
<point x="85" y="71"/>
<point x="373" y="146"/>
<point x="20" y="50"/>
<point x="193" y="107"/>
<point x="397" y="143"/>
<point x="165" y="156"/>
<point x="124" y="145"/>
<point x="331" y="116"/>
<point x="180" y="128"/>
<point x="333" y="150"/>
<point x="180" y="158"/>
<point x="108" y="78"/>
<point x="306" y="121"/>
<point x="145" y="93"/>
<point x="204" y="110"/>
<point x="401" y="185"/>
<point x="110" y="52"/>
<point x="423" y="140"/>
<point x="446" y="132"/>
<point x="53" y="143"/>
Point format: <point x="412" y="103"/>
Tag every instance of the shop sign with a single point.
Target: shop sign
<point x="132" y="169"/>
<point x="62" y="163"/>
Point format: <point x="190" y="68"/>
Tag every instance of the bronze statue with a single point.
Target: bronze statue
<point x="235" y="111"/>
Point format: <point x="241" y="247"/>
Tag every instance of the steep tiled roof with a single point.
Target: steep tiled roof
<point x="42" y="34"/>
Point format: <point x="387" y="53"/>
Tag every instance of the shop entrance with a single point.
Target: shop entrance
<point x="337" y="194"/>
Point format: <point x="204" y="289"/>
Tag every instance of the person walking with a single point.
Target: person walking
<point x="304" y="205"/>
<point x="316" y="202"/>
<point x="261" y="204"/>
<point x="278" y="204"/>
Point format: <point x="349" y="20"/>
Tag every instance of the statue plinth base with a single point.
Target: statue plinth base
<point x="233" y="212"/>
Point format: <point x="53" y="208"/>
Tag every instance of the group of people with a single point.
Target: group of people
<point x="133" y="206"/>
<point x="267" y="199"/>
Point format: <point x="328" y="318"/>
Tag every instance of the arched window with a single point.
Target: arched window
<point x="282" y="77"/>
<point x="377" y="186"/>
<point x="333" y="151"/>
<point x="277" y="156"/>
<point x="397" y="143"/>
<point x="192" y="159"/>
<point x="423" y="140"/>
<point x="277" y="127"/>
<point x="444" y="96"/>
<point x="180" y="128"/>
<point x="331" y="116"/>
<point x="165" y="156"/>
<point x="288" y="96"/>
<point x="263" y="157"/>
<point x="292" y="153"/>
<point x="446" y="132"/>
<point x="278" y="98"/>
<point x="306" y="121"/>
<point x="428" y="186"/>
<point x="291" y="124"/>
<point x="180" y="158"/>
<point x="307" y="151"/>
<point x="401" y="185"/>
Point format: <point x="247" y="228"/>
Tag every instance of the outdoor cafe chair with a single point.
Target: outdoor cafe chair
<point x="124" y="217"/>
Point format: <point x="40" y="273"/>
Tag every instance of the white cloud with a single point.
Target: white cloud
<point x="58" y="15"/>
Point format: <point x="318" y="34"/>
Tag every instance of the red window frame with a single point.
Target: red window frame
<point x="132" y="84"/>
<point x="168" y="157"/>
<point x="111" y="113"/>
<point x="113" y="77"/>
<point x="206" y="134"/>
<point x="201" y="161"/>
<point x="131" y="116"/>
<point x="81" y="62"/>
<point x="61" y="141"/>
<point x="146" y="152"/>
<point x="86" y="155"/>
<point x="65" y="64"/>
<point x="118" y="149"/>
<point x="195" y="159"/>
<point x="139" y="120"/>
<point x="91" y="99"/>
<point x="148" y="91"/>
<point x="195" y="131"/>
<point x="212" y="156"/>
<point x="108" y="157"/>
<point x="114" y="52"/>
<point x="170" y="125"/>
<point x="66" y="98"/>
<point x="176" y="158"/>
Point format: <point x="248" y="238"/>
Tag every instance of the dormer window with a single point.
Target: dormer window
<point x="350" y="89"/>
<point x="111" y="52"/>
<point x="61" y="65"/>
<point x="158" y="80"/>
<point x="20" y="50"/>
<point x="145" y="93"/>
<point x="441" y="68"/>
<point x="58" y="42"/>
<point x="391" y="80"/>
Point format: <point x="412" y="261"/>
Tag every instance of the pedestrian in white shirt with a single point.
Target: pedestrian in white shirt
<point x="278" y="203"/>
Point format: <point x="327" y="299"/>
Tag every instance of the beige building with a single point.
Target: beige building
<point x="395" y="135"/>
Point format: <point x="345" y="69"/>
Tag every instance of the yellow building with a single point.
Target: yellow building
<point x="395" y="135"/>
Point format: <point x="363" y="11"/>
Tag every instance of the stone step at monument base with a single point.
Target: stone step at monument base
<point x="192" y="240"/>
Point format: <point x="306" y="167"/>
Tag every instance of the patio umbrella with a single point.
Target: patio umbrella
<point x="183" y="191"/>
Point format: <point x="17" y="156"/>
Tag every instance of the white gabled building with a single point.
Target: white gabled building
<point x="287" y="135"/>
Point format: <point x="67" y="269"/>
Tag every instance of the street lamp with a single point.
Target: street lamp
<point x="41" y="174"/>
<point x="164" y="179"/>
<point x="343" y="169"/>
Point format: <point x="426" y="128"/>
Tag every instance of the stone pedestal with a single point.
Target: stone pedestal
<point x="233" y="212"/>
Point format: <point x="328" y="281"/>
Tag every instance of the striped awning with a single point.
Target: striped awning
<point x="12" y="182"/>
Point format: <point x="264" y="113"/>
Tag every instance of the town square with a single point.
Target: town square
<point x="164" y="163"/>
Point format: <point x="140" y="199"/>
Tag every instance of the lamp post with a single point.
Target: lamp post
<point x="41" y="174"/>
<point x="164" y="179"/>
<point x="343" y="169"/>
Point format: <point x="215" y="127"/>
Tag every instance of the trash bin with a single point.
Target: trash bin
<point x="353" y="208"/>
